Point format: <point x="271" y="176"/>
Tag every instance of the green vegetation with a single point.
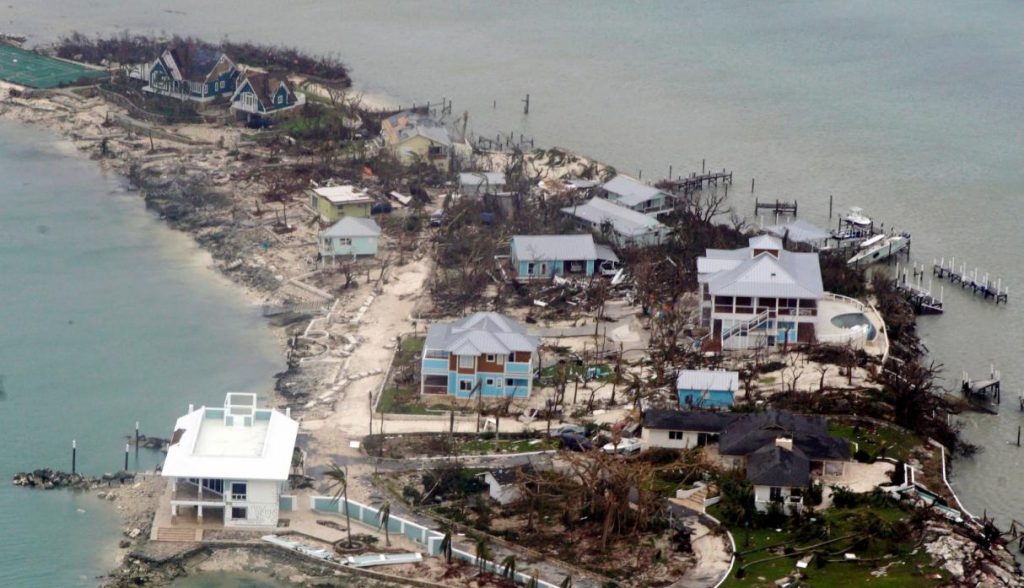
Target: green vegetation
<point x="401" y="394"/>
<point x="880" y="536"/>
<point x="877" y="441"/>
<point x="507" y="446"/>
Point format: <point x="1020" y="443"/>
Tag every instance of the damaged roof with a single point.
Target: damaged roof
<point x="632" y="192"/>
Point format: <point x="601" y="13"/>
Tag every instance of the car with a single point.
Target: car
<point x="626" y="446"/>
<point x="609" y="268"/>
<point x="567" y="429"/>
<point x="380" y="208"/>
<point x="437" y="218"/>
<point x="575" y="442"/>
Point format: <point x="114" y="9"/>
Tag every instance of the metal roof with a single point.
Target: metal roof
<point x="624" y="221"/>
<point x="605" y="253"/>
<point x="631" y="192"/>
<point x="799" y="231"/>
<point x="476" y="179"/>
<point x="353" y="226"/>
<point x="739" y="273"/>
<point x="408" y="124"/>
<point x="707" y="380"/>
<point x="553" y="247"/>
<point x="480" y="333"/>
<point x="340" y="194"/>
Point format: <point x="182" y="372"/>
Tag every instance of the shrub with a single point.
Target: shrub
<point x="843" y="497"/>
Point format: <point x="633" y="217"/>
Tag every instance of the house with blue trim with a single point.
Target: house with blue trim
<point x="351" y="237"/>
<point x="485" y="353"/>
<point x="636" y="195"/>
<point x="192" y="72"/>
<point x="706" y="388"/>
<point x="536" y="257"/>
<point x="261" y="94"/>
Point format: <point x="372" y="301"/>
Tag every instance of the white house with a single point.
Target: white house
<point x="623" y="225"/>
<point x="502" y="484"/>
<point x="634" y="194"/>
<point x="230" y="463"/>
<point x="675" y="429"/>
<point x="759" y="296"/>
<point x="779" y="473"/>
<point x="350" y="237"/>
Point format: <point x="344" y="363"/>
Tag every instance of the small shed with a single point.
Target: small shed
<point x="503" y="483"/>
<point x="476" y="184"/>
<point x="350" y="237"/>
<point x="706" y="388"/>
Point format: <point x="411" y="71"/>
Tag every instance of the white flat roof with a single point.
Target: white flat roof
<point x="204" y="445"/>
<point x="342" y="194"/>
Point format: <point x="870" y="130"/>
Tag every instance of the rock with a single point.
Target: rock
<point x="137" y="531"/>
<point x="124" y="544"/>
<point x="103" y="496"/>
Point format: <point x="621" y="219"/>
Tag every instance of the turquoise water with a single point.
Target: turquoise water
<point x="855" y="319"/>
<point x="909" y="109"/>
<point x="106" y="317"/>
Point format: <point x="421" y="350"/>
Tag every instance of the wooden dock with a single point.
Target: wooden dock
<point x="695" y="181"/>
<point x="984" y="395"/>
<point x="971" y="280"/>
<point x="778" y="208"/>
<point x="916" y="293"/>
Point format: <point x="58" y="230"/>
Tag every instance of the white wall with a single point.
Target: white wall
<point x="262" y="502"/>
<point x="659" y="438"/>
<point x="503" y="494"/>
<point x="762" y="498"/>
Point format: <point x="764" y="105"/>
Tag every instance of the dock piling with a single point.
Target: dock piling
<point x="126" y="457"/>
<point x="74" y="456"/>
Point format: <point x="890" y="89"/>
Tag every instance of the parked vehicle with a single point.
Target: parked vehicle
<point x="624" y="446"/>
<point x="437" y="218"/>
<point x="574" y="442"/>
<point x="609" y="267"/>
<point x="381" y="208"/>
<point x="568" y="429"/>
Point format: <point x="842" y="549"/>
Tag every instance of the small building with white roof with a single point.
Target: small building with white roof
<point x="545" y="256"/>
<point x="230" y="463"/>
<point x="624" y="226"/>
<point x="476" y="184"/>
<point x="706" y="388"/>
<point x="636" y="195"/>
<point x="332" y="203"/>
<point x="350" y="237"/>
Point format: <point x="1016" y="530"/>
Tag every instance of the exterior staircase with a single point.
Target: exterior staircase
<point x="179" y="534"/>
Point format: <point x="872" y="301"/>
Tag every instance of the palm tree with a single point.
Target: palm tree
<point x="483" y="553"/>
<point x="384" y="515"/>
<point x="566" y="583"/>
<point x="338" y="481"/>
<point x="446" y="545"/>
<point x="508" y="567"/>
<point x="534" y="581"/>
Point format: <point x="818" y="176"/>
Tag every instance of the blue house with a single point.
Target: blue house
<point x="706" y="388"/>
<point x="350" y="237"/>
<point x="485" y="353"/>
<point x="192" y="72"/>
<point x="569" y="256"/>
<point x="261" y="94"/>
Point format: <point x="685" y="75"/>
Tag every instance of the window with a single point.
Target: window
<point x="511" y="357"/>
<point x="490" y="381"/>
<point x="675" y="435"/>
<point x="214" y="485"/>
<point x="238" y="490"/>
<point x="239" y="512"/>
<point x="343" y="241"/>
<point x="775" y="494"/>
<point x="466" y="385"/>
<point x="490" y="358"/>
<point x="509" y="382"/>
<point x="529" y="269"/>
<point x="467" y="362"/>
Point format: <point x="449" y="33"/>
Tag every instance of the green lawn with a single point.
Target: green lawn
<point x="906" y="565"/>
<point x="405" y="398"/>
<point x="871" y="438"/>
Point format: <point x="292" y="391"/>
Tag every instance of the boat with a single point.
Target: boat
<point x="857" y="218"/>
<point x="879" y="248"/>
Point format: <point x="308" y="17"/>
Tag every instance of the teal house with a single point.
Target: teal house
<point x="261" y="94"/>
<point x="486" y="354"/>
<point x="541" y="257"/>
<point x="350" y="237"/>
<point x="706" y="388"/>
<point x="192" y="72"/>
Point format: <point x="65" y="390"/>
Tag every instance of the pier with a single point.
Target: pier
<point x="971" y="280"/>
<point x="984" y="395"/>
<point x="915" y="292"/>
<point x="778" y="208"/>
<point x="695" y="181"/>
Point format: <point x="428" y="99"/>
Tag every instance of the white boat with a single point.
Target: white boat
<point x="879" y="248"/>
<point x="857" y="218"/>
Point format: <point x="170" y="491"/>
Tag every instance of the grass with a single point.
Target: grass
<point x="872" y="438"/>
<point x="404" y="398"/>
<point x="487" y="446"/>
<point x="907" y="566"/>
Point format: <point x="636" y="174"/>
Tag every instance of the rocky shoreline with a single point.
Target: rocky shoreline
<point x="47" y="479"/>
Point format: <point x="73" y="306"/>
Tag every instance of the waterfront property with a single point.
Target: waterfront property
<point x="485" y="353"/>
<point x="779" y="452"/>
<point x="636" y="195"/>
<point x="800" y="231"/>
<point x="624" y="226"/>
<point x="476" y="184"/>
<point x="332" y="203"/>
<point x="351" y="237"/>
<point x="261" y="94"/>
<point x="568" y="256"/>
<point x="413" y="137"/>
<point x="192" y="72"/>
<point x="27" y="68"/>
<point x="706" y="388"/>
<point x="761" y="296"/>
<point x="230" y="463"/>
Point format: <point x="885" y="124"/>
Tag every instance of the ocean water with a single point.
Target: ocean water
<point x="909" y="109"/>
<point x="107" y="317"/>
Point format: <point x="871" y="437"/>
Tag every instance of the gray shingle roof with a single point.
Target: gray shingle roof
<point x="480" y="333"/>
<point x="352" y="226"/>
<point x="738" y="273"/>
<point x="775" y="466"/>
<point x="553" y="247"/>
<point x="510" y="475"/>
<point x="685" y="420"/>
<point x="810" y="434"/>
<point x="631" y="192"/>
<point x="624" y="221"/>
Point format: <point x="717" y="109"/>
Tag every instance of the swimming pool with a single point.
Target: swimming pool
<point x="854" y="319"/>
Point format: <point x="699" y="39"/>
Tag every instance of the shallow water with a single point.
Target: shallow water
<point x="106" y="317"/>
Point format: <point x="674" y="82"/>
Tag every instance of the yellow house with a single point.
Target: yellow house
<point x="412" y="136"/>
<point x="333" y="203"/>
